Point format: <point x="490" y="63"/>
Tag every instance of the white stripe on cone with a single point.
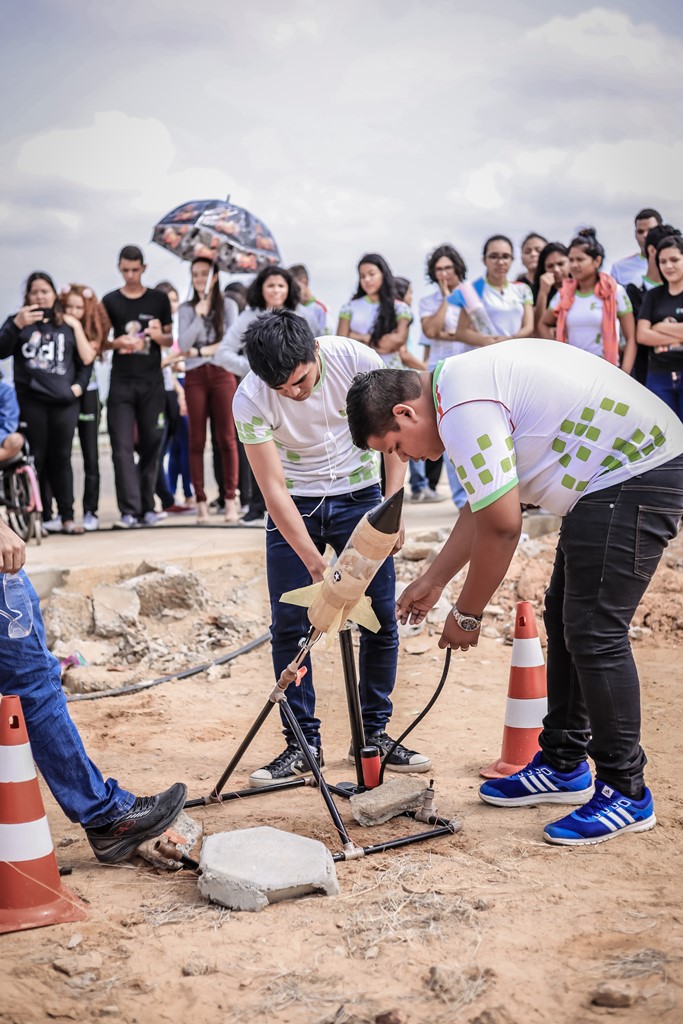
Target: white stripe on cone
<point x="527" y="653"/>
<point x="27" y="841"/>
<point x="16" y="764"/>
<point x="526" y="714"/>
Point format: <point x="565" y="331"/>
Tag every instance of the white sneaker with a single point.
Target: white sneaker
<point x="53" y="525"/>
<point x="90" y="522"/>
<point x="153" y="518"/>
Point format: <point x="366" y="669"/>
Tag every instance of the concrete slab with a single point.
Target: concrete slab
<point x="252" y="867"/>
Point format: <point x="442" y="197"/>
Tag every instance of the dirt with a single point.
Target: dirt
<point x="489" y="926"/>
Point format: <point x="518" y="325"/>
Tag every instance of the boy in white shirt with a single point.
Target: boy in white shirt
<point x="529" y="421"/>
<point x="290" y="415"/>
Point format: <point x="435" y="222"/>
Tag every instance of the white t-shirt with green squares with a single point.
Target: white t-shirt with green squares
<point x="312" y="437"/>
<point x="549" y="418"/>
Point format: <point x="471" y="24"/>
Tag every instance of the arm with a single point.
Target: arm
<point x="527" y="326"/>
<point x="628" y="328"/>
<point x="190" y="328"/>
<point x="434" y="326"/>
<point x="545" y="283"/>
<point x="656" y="336"/>
<point x="343" y="327"/>
<point x="86" y="353"/>
<point x="410" y="361"/>
<point x="465" y="332"/>
<point x="267" y="468"/>
<point x="394" y="341"/>
<point x="547" y="324"/>
<point x="12" y="549"/>
<point x="160" y="334"/>
<point x="227" y="352"/>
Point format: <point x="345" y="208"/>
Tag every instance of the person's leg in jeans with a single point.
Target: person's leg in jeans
<point x="121" y="425"/>
<point x="289" y="623"/>
<point x="29" y="670"/>
<point x="668" y="387"/>
<point x="612" y="542"/>
<point x="418" y="477"/>
<point x="62" y="427"/>
<point x="88" y="430"/>
<point x="172" y="414"/>
<point x="150" y="404"/>
<point x="197" y="399"/>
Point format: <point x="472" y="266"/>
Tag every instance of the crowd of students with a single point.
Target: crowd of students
<point x="172" y="368"/>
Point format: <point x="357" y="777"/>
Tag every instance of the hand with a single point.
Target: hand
<point x="27" y="316"/>
<point x="202" y="307"/>
<point x="71" y="321"/>
<point x="547" y="281"/>
<point x="182" y="405"/>
<point x="12" y="550"/>
<point x="454" y="636"/>
<point x="130" y="344"/>
<point x="153" y="330"/>
<point x="443" y="287"/>
<point x="77" y="390"/>
<point x="317" y="569"/>
<point x="417" y="599"/>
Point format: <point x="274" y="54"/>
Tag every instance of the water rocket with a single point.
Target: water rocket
<point x="341" y="595"/>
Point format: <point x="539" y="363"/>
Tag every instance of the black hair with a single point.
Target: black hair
<point x="545" y="252"/>
<point x="131" y="252"/>
<point x="655" y="235"/>
<point x="498" y="238"/>
<point x="216" y="315"/>
<point x="450" y="253"/>
<point x="670" y="242"/>
<point x="587" y="239"/>
<point x="401" y="286"/>
<point x="371" y="399"/>
<point x="386" y="317"/>
<point x="40" y="275"/>
<point x="647" y="214"/>
<point x="299" y="270"/>
<point x="533" y="234"/>
<point x="255" y="293"/>
<point x="166" y="287"/>
<point x="236" y="291"/>
<point x="276" y="343"/>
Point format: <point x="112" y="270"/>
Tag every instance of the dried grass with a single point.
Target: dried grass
<point x="641" y="963"/>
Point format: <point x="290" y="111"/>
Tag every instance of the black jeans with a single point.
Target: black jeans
<point x="88" y="430"/>
<point x="135" y="416"/>
<point x="50" y="430"/>
<point x="172" y="409"/>
<point x="609" y="547"/>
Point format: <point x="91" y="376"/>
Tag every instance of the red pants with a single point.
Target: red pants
<point x="209" y="391"/>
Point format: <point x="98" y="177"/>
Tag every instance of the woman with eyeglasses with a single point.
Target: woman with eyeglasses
<point x="509" y="305"/>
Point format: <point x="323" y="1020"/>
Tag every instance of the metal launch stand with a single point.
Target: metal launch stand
<point x="350" y="851"/>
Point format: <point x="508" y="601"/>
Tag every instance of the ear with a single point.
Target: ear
<point x="402" y="409"/>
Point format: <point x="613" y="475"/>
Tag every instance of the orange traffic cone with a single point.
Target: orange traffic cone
<point x="31" y="892"/>
<point x="527" y="700"/>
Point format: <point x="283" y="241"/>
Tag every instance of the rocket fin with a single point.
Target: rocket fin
<point x="363" y="614"/>
<point x="303" y="597"/>
<point x="335" y="626"/>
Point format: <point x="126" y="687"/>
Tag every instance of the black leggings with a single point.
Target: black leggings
<point x="88" y="429"/>
<point x="50" y="430"/>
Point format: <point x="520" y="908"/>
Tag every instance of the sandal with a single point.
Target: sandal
<point x="72" y="528"/>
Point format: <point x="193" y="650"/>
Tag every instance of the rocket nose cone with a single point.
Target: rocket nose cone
<point x="387" y="517"/>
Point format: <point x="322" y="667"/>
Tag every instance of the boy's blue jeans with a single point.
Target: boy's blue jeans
<point x="332" y="522"/>
<point x="29" y="670"/>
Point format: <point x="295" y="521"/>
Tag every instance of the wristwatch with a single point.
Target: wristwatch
<point x="470" y="623"/>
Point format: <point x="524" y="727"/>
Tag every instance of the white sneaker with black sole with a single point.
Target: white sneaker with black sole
<point x="290" y="764"/>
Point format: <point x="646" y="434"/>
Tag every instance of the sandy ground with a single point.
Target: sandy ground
<point x="490" y="926"/>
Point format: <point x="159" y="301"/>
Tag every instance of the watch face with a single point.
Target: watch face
<point x="468" y="624"/>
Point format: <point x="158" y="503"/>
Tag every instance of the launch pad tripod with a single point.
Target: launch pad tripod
<point x="440" y="826"/>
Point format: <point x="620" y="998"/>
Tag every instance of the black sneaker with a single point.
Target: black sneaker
<point x="402" y="759"/>
<point x="290" y="764"/>
<point x="147" y="818"/>
<point x="253" y="517"/>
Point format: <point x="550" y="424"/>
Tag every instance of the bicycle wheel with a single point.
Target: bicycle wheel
<point x="19" y="511"/>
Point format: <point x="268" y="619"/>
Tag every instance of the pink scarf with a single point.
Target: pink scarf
<point x="605" y="289"/>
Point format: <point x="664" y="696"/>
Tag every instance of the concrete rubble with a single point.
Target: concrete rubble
<point x="393" y="797"/>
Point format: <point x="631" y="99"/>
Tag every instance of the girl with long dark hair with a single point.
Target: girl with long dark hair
<point x="209" y="387"/>
<point x="660" y="326"/>
<point x="551" y="270"/>
<point x="52" y="358"/>
<point x="375" y="316"/>
<point x="532" y="247"/>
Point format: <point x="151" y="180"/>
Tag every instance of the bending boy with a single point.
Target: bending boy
<point x="546" y="424"/>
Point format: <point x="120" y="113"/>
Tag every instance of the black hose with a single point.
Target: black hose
<point x="185" y="674"/>
<point x="425" y="711"/>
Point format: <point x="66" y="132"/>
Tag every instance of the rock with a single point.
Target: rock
<point x="419" y="645"/>
<point x="184" y="834"/>
<point x="94" y="680"/>
<point x="94" y="652"/>
<point x="496" y="1015"/>
<point x="114" y="609"/>
<point x="82" y="963"/>
<point x="68" y="617"/>
<point x="609" y="993"/>
<point x="390" y="1017"/>
<point x="375" y="806"/>
<point x="417" y="551"/>
<point x="74" y="941"/>
<point x="172" y="588"/>
<point x="440" y="612"/>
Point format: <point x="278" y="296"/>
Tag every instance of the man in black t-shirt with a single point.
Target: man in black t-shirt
<point x="141" y="322"/>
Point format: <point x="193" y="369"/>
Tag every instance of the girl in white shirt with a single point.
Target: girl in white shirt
<point x="509" y="305"/>
<point x="375" y="316"/>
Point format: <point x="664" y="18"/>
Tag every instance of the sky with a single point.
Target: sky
<point x="348" y="127"/>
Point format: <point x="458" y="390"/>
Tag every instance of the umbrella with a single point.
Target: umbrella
<point x="229" y="235"/>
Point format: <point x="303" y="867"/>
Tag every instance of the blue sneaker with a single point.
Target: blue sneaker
<point x="607" y="815"/>
<point x="539" y="783"/>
